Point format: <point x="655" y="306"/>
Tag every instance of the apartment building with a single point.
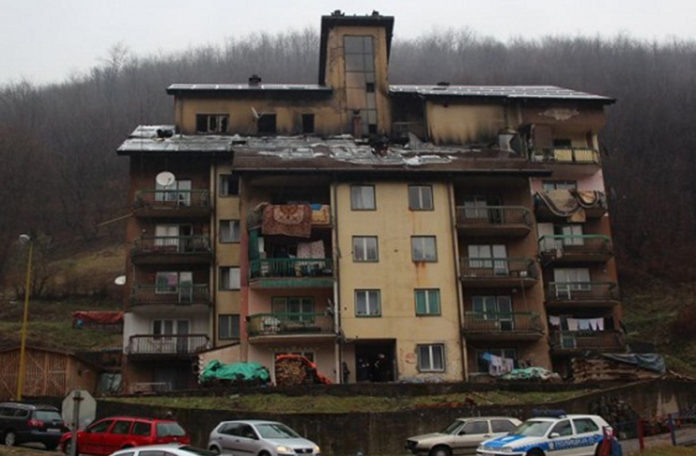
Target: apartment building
<point x="386" y="232"/>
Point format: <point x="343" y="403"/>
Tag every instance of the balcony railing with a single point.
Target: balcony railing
<point x="287" y="323"/>
<point x="606" y="341"/>
<point x="172" y="199"/>
<point x="171" y="344"/>
<point x="291" y="267"/>
<point x="491" y="322"/>
<point x="172" y="245"/>
<point x="499" y="268"/>
<point x="566" y="155"/>
<point x="494" y="218"/>
<point x="580" y="247"/>
<point x="182" y="294"/>
<point x="582" y="292"/>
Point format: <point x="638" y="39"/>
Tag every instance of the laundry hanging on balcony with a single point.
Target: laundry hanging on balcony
<point x="572" y="204"/>
<point x="288" y="219"/>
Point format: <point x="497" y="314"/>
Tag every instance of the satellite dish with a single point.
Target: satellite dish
<point x="165" y="178"/>
<point x="120" y="280"/>
<point x="255" y="113"/>
<point x="24" y="238"/>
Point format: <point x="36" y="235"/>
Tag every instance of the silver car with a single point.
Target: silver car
<point x="462" y="436"/>
<point x="259" y="438"/>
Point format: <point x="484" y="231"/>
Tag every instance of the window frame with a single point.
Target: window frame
<point x="272" y="128"/>
<point x="365" y="249"/>
<point x="238" y="231"/>
<point x="430" y="348"/>
<point x="222" y="285"/>
<point x="230" y="326"/>
<point x="220" y="119"/>
<point x="366" y="292"/>
<point x="420" y="188"/>
<point x="222" y="191"/>
<point x="354" y="207"/>
<point x="422" y="239"/>
<point x="426" y="294"/>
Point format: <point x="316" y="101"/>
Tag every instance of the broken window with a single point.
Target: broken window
<point x="307" y="123"/>
<point x="266" y="124"/>
<point x="212" y="123"/>
<point x="229" y="185"/>
<point x="360" y="81"/>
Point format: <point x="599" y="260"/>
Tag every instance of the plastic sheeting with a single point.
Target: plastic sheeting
<point x="651" y="361"/>
<point x="531" y="373"/>
<point x="236" y="372"/>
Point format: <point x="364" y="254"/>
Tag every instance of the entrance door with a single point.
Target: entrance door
<point x="375" y="362"/>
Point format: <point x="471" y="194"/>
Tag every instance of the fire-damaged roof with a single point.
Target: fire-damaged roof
<point x="218" y="89"/>
<point x="505" y="92"/>
<point x="161" y="138"/>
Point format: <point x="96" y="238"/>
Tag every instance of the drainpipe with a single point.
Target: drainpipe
<point x="338" y="352"/>
<point x="213" y="242"/>
<point x="457" y="273"/>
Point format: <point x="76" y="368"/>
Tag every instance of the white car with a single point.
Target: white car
<point x="169" y="449"/>
<point x="259" y="438"/>
<point x="564" y="435"/>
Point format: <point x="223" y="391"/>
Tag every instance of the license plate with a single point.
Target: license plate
<point x="53" y="430"/>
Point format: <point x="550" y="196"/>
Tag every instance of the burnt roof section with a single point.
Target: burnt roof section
<point x="162" y="138"/>
<point x="512" y="92"/>
<point x="339" y="19"/>
<point x="221" y="89"/>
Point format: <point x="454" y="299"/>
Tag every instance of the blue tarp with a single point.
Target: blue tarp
<point x="651" y="361"/>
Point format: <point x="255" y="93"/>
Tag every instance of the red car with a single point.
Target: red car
<point x="105" y="436"/>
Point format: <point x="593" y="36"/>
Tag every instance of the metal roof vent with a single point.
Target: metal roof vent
<point x="255" y="80"/>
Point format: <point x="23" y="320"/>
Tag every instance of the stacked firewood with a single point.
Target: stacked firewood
<point x="292" y="371"/>
<point x="598" y="370"/>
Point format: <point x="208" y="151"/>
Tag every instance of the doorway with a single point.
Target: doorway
<point x="375" y="362"/>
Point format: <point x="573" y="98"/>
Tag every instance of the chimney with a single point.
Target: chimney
<point x="255" y="80"/>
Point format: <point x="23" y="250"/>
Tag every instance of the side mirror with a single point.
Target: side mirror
<point x="554" y="435"/>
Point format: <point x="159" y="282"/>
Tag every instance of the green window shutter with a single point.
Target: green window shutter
<point x="435" y="302"/>
<point x="420" y="302"/>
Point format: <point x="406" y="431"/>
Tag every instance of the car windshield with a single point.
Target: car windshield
<point x="197" y="451"/>
<point x="170" y="429"/>
<point x="276" y="431"/>
<point x="533" y="428"/>
<point x="47" y="415"/>
<point x="452" y="428"/>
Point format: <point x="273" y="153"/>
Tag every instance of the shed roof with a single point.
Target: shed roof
<point x="217" y="89"/>
<point x="498" y="91"/>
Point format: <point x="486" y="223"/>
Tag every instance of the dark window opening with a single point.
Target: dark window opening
<point x="370" y="87"/>
<point x="212" y="123"/>
<point x="307" y="123"/>
<point x="372" y="129"/>
<point x="229" y="185"/>
<point x="562" y="143"/>
<point x="266" y="124"/>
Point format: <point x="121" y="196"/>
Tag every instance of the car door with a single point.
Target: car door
<point x="91" y="440"/>
<point x="229" y="437"/>
<point x="470" y="436"/>
<point x="248" y="443"/>
<point x="141" y="433"/>
<point x="561" y="439"/>
<point x="588" y="434"/>
<point x="117" y="435"/>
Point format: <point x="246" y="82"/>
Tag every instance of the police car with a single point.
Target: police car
<point x="563" y="435"/>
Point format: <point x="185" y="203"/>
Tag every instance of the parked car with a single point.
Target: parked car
<point x="568" y="435"/>
<point x="262" y="438"/>
<point x="107" y="435"/>
<point x="163" y="450"/>
<point x="27" y="423"/>
<point x="462" y="436"/>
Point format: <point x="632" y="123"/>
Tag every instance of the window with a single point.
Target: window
<point x="141" y="428"/>
<point x="266" y="124"/>
<point x="229" y="185"/>
<point x="583" y="425"/>
<point x="482" y="363"/>
<point x="362" y="197"/>
<point x="497" y="308"/>
<point x="101" y="426"/>
<point x="175" y="282"/>
<point x="562" y="143"/>
<point x="423" y="248"/>
<point x="170" y="327"/>
<point x="121" y="427"/>
<point x="475" y="427"/>
<point x="502" y="426"/>
<point x="427" y="301"/>
<point x="229" y="278"/>
<point x="367" y="303"/>
<point x="563" y="428"/>
<point x="212" y="123"/>
<point x="170" y="430"/>
<point x="431" y="358"/>
<point x="295" y="308"/>
<point x="229" y="231"/>
<point x="178" y="192"/>
<point x="572" y="234"/>
<point x="365" y="248"/>
<point x="559" y="185"/>
<point x="482" y="208"/>
<point x="360" y="81"/>
<point x="307" y="124"/>
<point x="483" y="256"/>
<point x="420" y="197"/>
<point x="247" y="432"/>
<point x="228" y="326"/>
<point x="568" y="280"/>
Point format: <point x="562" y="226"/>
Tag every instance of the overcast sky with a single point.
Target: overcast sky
<point x="48" y="40"/>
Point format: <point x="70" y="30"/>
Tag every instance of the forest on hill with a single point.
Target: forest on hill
<point x="61" y="176"/>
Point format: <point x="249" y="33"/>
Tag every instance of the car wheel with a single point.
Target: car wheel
<point x="440" y="450"/>
<point x="10" y="438"/>
<point x="535" y="452"/>
<point x="214" y="449"/>
<point x="67" y="447"/>
<point x="51" y="447"/>
<point x="264" y="453"/>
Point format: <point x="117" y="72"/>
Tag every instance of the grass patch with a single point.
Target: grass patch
<point x="666" y="451"/>
<point x="278" y="403"/>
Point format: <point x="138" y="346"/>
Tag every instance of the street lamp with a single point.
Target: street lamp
<point x="24" y="239"/>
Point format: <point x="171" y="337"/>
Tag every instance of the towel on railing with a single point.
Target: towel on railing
<point x="288" y="219"/>
<point x="321" y="215"/>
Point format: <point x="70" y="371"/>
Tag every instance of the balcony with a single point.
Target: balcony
<point x="172" y="250"/>
<point x="172" y="203"/>
<point x="290" y="327"/>
<point x="574" y="342"/>
<point x="559" y="205"/>
<point x="291" y="273"/>
<point x="581" y="294"/>
<point x="574" y="248"/>
<point x="499" y="272"/>
<point x="581" y="160"/>
<point x="514" y="326"/>
<point x="184" y="295"/>
<point x="151" y="346"/>
<point x="494" y="221"/>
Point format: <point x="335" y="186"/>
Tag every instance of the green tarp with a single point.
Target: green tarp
<point x="236" y="372"/>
